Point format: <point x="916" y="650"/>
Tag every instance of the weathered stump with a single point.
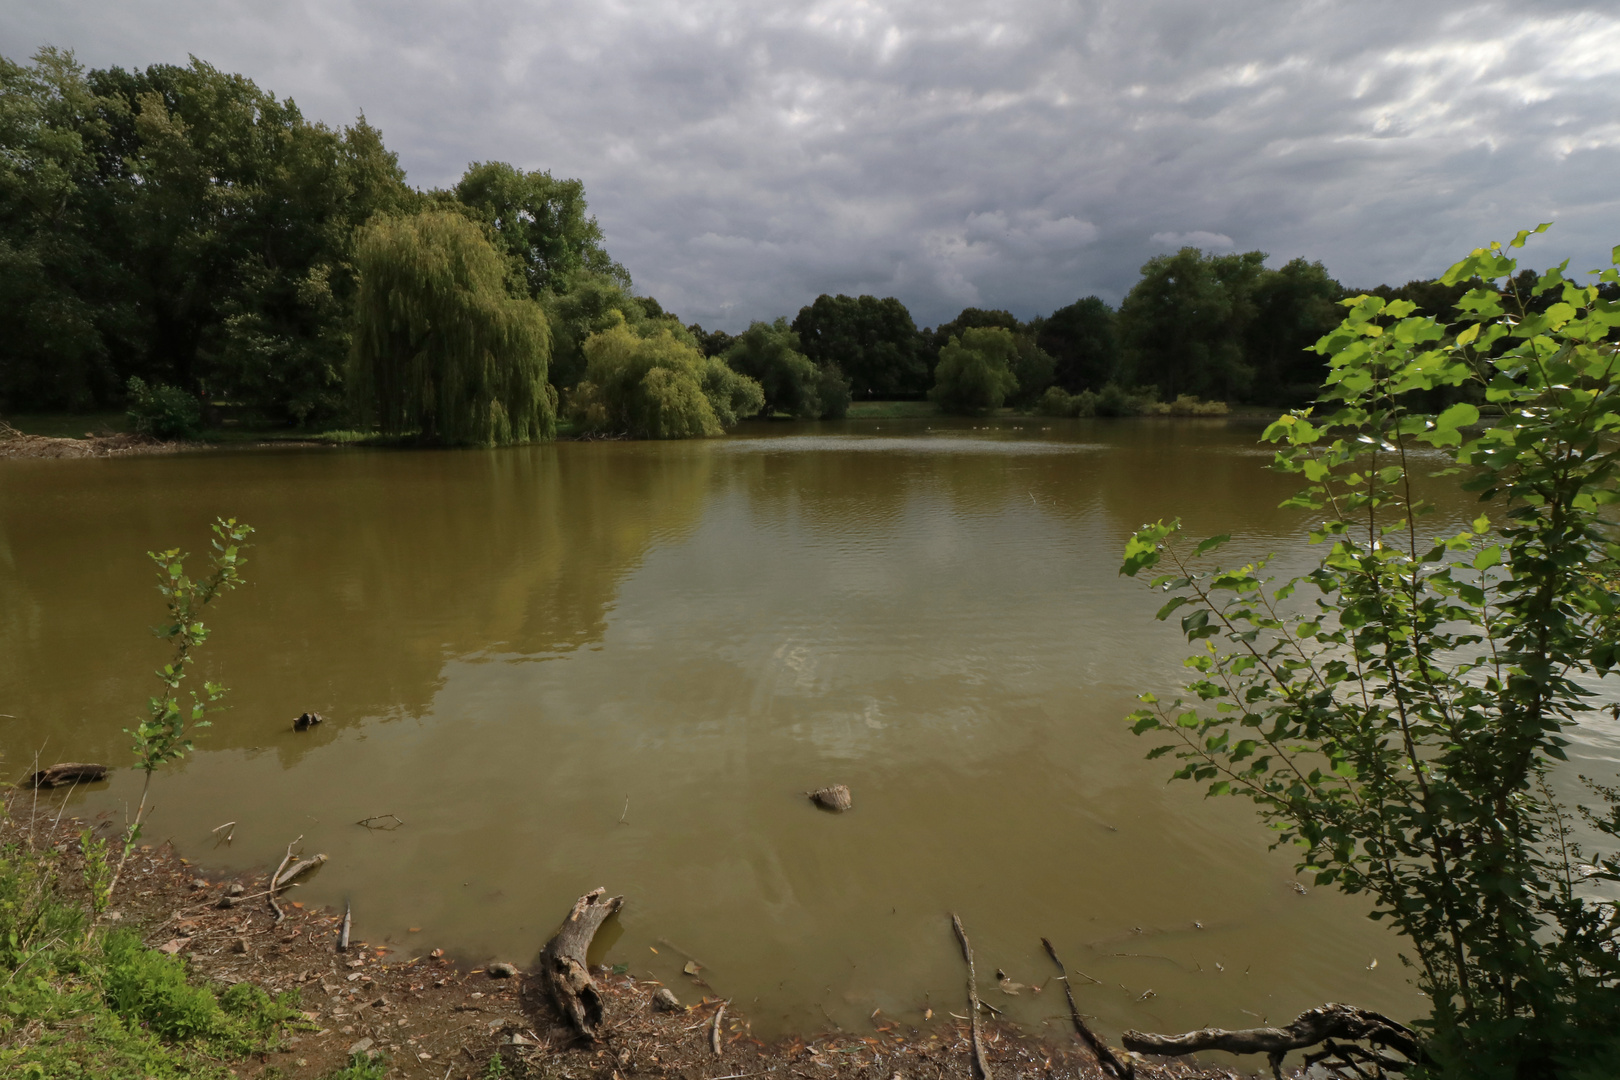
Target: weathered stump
<point x="563" y="967"/>
<point x="835" y="798"/>
<point x="68" y="772"/>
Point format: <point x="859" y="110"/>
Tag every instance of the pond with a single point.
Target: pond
<point x="624" y="664"/>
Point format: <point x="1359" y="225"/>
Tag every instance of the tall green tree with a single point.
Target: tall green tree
<point x="658" y="387"/>
<point x="1083" y="340"/>
<point x="61" y="297"/>
<point x="440" y="349"/>
<point x="540" y="223"/>
<point x="769" y="354"/>
<point x="1294" y="306"/>
<point x="1033" y="366"/>
<point x="873" y="342"/>
<point x="595" y="303"/>
<point x="1182" y="325"/>
<point x="975" y="372"/>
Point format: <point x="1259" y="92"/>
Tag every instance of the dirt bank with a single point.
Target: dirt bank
<point x="429" y="1017"/>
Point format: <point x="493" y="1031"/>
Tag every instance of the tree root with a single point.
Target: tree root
<point x="1319" y="1025"/>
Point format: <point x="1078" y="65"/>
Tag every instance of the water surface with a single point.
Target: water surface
<point x="512" y="645"/>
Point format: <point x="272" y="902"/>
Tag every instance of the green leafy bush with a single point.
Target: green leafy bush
<point x="975" y="371"/>
<point x="1400" y="727"/>
<point x="150" y="988"/>
<point x="658" y="387"/>
<point x="163" y="411"/>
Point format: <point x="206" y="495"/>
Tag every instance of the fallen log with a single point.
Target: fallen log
<point x="563" y="967"/>
<point x="1105" y="1056"/>
<point x="981" y="1063"/>
<point x="68" y="772"/>
<point x="1331" y="1021"/>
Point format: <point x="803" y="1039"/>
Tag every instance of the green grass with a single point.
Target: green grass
<point x="100" y="1004"/>
<point x="892" y="410"/>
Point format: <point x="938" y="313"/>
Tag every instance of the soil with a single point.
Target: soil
<point x="17" y="444"/>
<point x="431" y="1018"/>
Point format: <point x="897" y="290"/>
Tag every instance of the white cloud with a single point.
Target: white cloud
<point x="745" y="156"/>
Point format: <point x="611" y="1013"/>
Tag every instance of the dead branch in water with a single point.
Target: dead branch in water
<point x="981" y="1063"/>
<point x="275" y="877"/>
<point x="563" y="966"/>
<point x="1319" y="1025"/>
<point x="68" y="772"/>
<point x="1105" y="1056"/>
<point x="297" y="870"/>
<point x="367" y="822"/>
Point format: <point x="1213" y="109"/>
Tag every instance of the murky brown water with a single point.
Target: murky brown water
<point x="510" y="644"/>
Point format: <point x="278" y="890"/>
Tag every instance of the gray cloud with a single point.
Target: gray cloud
<point x="745" y="157"/>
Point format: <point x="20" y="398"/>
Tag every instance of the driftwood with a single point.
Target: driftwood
<point x="306" y="721"/>
<point x="714" y="1032"/>
<point x="1319" y="1025"/>
<point x="1105" y="1056"/>
<point x="835" y="798"/>
<point x="298" y="870"/>
<point x="981" y="1063"/>
<point x="343" y="931"/>
<point x="68" y="772"/>
<point x="270" y="891"/>
<point x="563" y="967"/>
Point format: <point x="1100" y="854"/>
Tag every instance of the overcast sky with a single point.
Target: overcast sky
<point x="744" y="157"/>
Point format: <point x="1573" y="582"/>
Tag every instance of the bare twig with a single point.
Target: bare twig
<point x="714" y="1032"/>
<point x="367" y="822"/>
<point x="1105" y="1056"/>
<point x="343" y="931"/>
<point x="271" y="892"/>
<point x="626" y="811"/>
<point x="981" y="1063"/>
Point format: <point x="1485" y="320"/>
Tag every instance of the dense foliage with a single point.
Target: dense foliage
<point x="792" y="383"/>
<point x="1397" y="711"/>
<point x="658" y="387"/>
<point x="975" y="372"/>
<point x="873" y="342"/>
<point x="441" y="351"/>
<point x="181" y="226"/>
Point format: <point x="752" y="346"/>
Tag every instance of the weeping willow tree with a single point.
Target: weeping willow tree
<point x="658" y="387"/>
<point x="440" y="350"/>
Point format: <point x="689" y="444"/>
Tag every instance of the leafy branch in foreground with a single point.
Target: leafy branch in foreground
<point x="1395" y="712"/>
<point x="165" y="734"/>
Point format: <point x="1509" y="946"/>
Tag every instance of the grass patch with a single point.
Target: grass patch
<point x="892" y="410"/>
<point x="77" y="1004"/>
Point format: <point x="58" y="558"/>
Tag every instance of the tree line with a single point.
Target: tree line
<point x="177" y="239"/>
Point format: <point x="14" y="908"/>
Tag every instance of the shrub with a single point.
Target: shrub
<point x="658" y="387"/>
<point x="163" y="411"/>
<point x="1059" y="402"/>
<point x="1399" y="723"/>
<point x="974" y="374"/>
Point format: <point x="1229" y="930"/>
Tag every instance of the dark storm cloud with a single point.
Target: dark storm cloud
<point x="745" y="157"/>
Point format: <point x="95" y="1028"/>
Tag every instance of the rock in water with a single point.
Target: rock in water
<point x="306" y="721"/>
<point x="502" y="971"/>
<point x="832" y="798"/>
<point x="664" y="1001"/>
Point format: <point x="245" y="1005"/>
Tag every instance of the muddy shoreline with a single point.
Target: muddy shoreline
<point x="431" y="1016"/>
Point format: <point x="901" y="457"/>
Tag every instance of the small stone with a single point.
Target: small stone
<point x="360" y="1047"/>
<point x="502" y="971"/>
<point x="239" y="946"/>
<point x="380" y="1003"/>
<point x="353" y="977"/>
<point x="347" y="1029"/>
<point x="172" y="946"/>
<point x="665" y="1001"/>
<point x="227" y="902"/>
<point x="198" y="884"/>
<point x="235" y="888"/>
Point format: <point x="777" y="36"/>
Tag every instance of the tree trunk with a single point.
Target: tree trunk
<point x="563" y="967"/>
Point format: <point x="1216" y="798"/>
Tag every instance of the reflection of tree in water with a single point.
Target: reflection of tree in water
<point x="369" y="572"/>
